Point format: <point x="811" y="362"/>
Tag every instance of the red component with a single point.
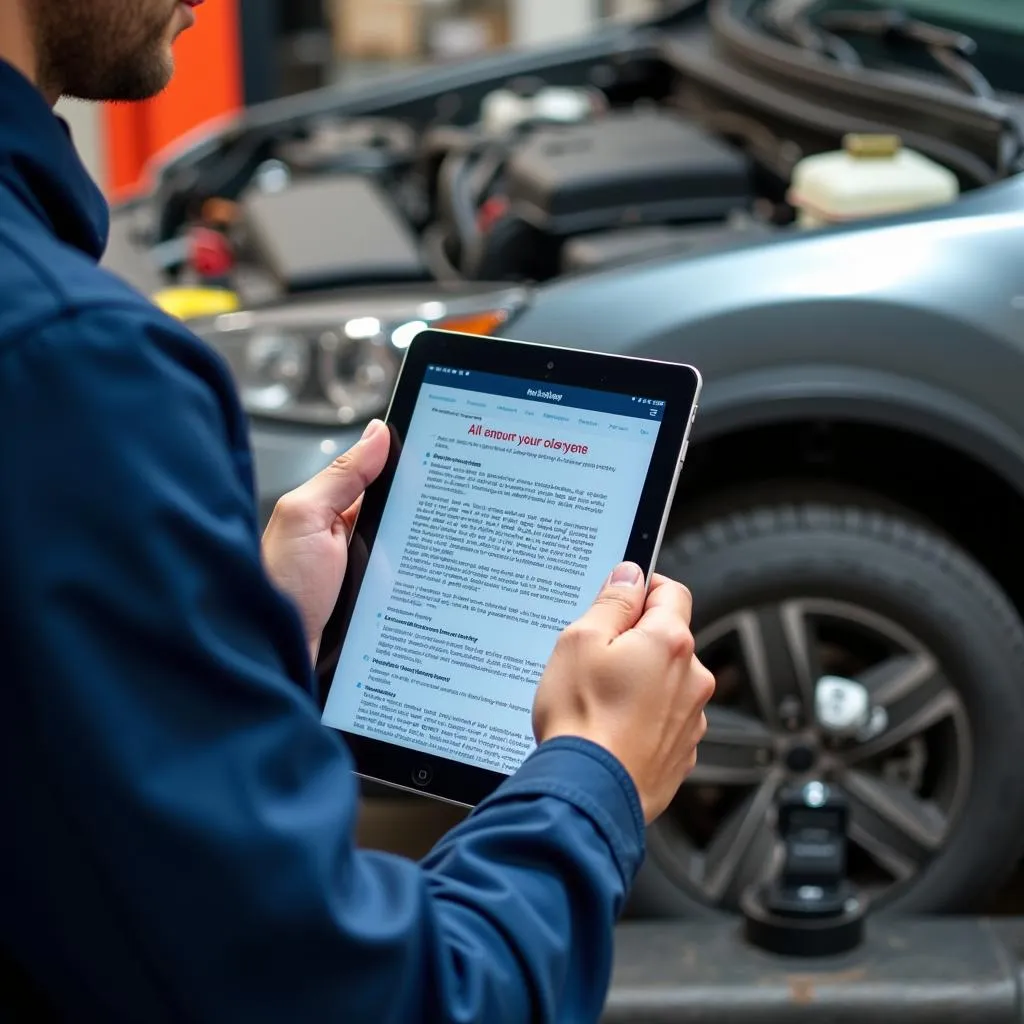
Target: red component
<point x="210" y="253"/>
<point x="493" y="210"/>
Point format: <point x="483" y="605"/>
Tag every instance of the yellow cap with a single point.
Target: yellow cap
<point x="865" y="145"/>
<point x="192" y="303"/>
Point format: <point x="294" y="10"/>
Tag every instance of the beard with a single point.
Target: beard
<point x="104" y="50"/>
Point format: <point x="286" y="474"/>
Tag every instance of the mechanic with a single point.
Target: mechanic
<point x="178" y="827"/>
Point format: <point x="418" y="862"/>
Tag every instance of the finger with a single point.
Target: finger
<point x="348" y="518"/>
<point x="619" y="604"/>
<point x="707" y="683"/>
<point x="671" y="596"/>
<point x="666" y="617"/>
<point x="335" y="490"/>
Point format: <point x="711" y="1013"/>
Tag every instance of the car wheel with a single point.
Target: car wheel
<point x="785" y="595"/>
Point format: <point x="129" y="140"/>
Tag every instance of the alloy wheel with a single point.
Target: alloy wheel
<point x="905" y="783"/>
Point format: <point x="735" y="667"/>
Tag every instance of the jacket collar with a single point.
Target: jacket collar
<point x="38" y="162"/>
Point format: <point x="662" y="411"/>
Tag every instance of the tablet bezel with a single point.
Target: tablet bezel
<point x="678" y="385"/>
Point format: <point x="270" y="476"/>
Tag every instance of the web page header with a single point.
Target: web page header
<point x="545" y="393"/>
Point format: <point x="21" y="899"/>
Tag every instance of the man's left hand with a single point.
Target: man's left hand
<point x="305" y="546"/>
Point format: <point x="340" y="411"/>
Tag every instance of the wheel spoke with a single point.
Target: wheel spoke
<point x="916" y="696"/>
<point x="900" y="866"/>
<point x="780" y="651"/>
<point x="894" y="827"/>
<point x="741" y="853"/>
<point x="896" y="677"/>
<point x="736" y="751"/>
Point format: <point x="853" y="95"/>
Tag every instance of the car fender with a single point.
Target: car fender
<point x="797" y="393"/>
<point x="882" y="363"/>
<point x="917" y="323"/>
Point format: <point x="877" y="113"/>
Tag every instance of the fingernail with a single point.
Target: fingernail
<point x="627" y="575"/>
<point x="371" y="428"/>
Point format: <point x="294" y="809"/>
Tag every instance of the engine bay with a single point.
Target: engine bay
<point x="355" y="202"/>
<point x="529" y="179"/>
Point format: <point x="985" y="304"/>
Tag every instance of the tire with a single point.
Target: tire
<point x="853" y="556"/>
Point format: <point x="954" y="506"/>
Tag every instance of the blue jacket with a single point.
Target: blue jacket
<point x="176" y="826"/>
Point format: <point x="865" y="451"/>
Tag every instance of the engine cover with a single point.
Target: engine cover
<point x="625" y="168"/>
<point x="332" y="231"/>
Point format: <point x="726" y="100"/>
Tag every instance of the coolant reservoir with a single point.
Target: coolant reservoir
<point x="872" y="176"/>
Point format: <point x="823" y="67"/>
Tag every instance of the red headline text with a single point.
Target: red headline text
<point x="528" y="440"/>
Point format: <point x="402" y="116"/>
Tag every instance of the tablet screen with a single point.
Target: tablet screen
<point x="512" y="501"/>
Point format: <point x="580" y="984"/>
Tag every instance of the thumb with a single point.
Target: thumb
<point x="620" y="604"/>
<point x="337" y="488"/>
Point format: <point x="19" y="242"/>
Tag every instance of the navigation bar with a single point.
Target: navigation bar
<point x="558" y="396"/>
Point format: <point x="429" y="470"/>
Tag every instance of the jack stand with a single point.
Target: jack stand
<point x="811" y="909"/>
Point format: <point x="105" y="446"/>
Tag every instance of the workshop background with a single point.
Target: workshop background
<point x="263" y="50"/>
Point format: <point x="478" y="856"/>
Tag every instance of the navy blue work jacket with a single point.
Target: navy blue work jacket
<point x="176" y="826"/>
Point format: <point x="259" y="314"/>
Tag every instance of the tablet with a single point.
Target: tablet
<point x="519" y="476"/>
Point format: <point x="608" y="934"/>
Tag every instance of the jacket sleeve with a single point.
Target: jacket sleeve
<point x="162" y="689"/>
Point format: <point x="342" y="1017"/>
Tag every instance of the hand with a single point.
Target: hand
<point x="625" y="677"/>
<point x="305" y="546"/>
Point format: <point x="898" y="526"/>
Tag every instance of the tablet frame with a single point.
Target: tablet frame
<point x="678" y="385"/>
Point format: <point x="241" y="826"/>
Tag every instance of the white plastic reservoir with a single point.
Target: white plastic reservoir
<point x="504" y="110"/>
<point x="871" y="176"/>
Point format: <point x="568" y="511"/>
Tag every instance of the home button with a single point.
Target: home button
<point x="423" y="775"/>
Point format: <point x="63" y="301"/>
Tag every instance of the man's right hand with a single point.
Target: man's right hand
<point x="626" y="678"/>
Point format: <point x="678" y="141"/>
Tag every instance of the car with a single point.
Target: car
<point x="849" y="520"/>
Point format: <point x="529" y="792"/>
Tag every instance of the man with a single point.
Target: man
<point x="177" y="825"/>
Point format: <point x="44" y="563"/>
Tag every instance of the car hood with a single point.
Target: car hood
<point x="946" y="258"/>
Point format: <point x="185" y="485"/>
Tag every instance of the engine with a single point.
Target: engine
<point x="512" y="209"/>
<point x="541" y="186"/>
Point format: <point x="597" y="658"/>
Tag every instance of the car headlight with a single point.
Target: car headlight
<point x="335" y="363"/>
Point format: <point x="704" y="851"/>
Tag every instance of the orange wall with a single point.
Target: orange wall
<point x="207" y="85"/>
